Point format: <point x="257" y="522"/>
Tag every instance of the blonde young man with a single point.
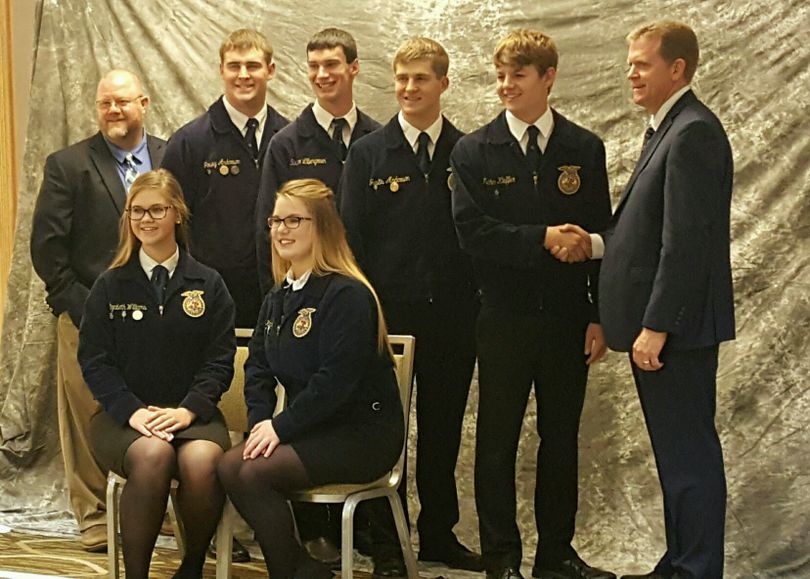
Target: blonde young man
<point x="395" y="202"/>
<point x="518" y="179"/>
<point x="73" y="240"/>
<point x="217" y="160"/>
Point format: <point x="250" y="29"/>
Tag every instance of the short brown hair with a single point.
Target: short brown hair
<point x="164" y="181"/>
<point x="678" y="40"/>
<point x="525" y="47"/>
<point x="333" y="38"/>
<point x="246" y="39"/>
<point x="421" y="48"/>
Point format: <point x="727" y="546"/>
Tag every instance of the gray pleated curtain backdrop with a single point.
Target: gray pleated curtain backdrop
<point x="754" y="75"/>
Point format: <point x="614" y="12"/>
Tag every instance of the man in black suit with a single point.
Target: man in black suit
<point x="73" y="239"/>
<point x="666" y="293"/>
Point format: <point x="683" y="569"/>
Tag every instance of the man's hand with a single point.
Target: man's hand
<point x="262" y="440"/>
<point x="595" y="346"/>
<point x="569" y="242"/>
<point x="647" y="349"/>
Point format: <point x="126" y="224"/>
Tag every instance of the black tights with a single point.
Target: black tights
<point x="149" y="465"/>
<point x="256" y="488"/>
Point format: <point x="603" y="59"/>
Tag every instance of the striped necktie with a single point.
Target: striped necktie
<point x="130" y="172"/>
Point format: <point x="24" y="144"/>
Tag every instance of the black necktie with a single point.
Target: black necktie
<point x="422" y="154"/>
<point x="250" y="138"/>
<point x="647" y="136"/>
<point x="533" y="153"/>
<point x="160" y="278"/>
<point x="337" y="136"/>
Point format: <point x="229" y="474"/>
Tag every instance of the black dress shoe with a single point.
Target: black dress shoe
<point x="238" y="552"/>
<point x="455" y="556"/>
<point x="312" y="569"/>
<point x="323" y="550"/>
<point x="389" y="566"/>
<point x="505" y="573"/>
<point x="574" y="568"/>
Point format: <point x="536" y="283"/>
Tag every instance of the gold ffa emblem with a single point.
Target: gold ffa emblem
<point x="303" y="323"/>
<point x="193" y="305"/>
<point x="450" y="180"/>
<point x="394" y="186"/>
<point x="569" y="180"/>
<point x="224" y="170"/>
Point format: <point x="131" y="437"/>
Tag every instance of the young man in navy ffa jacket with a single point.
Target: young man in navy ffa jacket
<point x="216" y="158"/>
<point x="316" y="143"/>
<point x="395" y="202"/>
<point x="517" y="180"/>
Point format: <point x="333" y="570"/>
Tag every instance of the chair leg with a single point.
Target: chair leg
<point x="177" y="524"/>
<point x="113" y="495"/>
<point x="224" y="538"/>
<point x="404" y="535"/>
<point x="347" y="538"/>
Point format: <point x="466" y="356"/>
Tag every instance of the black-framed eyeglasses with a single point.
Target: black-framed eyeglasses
<point x="136" y="212"/>
<point x="290" y="222"/>
<point x="106" y="104"/>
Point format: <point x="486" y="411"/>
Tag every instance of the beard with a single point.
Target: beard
<point x="117" y="131"/>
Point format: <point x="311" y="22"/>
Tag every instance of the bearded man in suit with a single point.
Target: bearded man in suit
<point x="73" y="239"/>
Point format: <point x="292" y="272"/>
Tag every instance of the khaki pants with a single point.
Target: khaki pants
<point x="85" y="479"/>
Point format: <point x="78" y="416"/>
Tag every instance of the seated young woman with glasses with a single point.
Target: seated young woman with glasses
<point x="156" y="348"/>
<point x="322" y="335"/>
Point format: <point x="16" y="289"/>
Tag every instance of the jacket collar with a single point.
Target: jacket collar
<point x="687" y="99"/>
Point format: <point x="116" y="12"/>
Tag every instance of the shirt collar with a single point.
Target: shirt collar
<point x="325" y="118"/>
<point x="518" y="128"/>
<point x="298" y="284"/>
<point x="412" y="133"/>
<point x="240" y="119"/>
<point x="120" y="154"/>
<point x="658" y="117"/>
<point x="148" y="264"/>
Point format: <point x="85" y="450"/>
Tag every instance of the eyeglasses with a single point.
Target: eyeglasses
<point x="136" y="213"/>
<point x="290" y="222"/>
<point x="121" y="104"/>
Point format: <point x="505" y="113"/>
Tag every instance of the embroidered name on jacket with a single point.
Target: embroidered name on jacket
<point x="307" y="161"/>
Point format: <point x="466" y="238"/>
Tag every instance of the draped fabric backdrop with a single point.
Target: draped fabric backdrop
<point x="755" y="75"/>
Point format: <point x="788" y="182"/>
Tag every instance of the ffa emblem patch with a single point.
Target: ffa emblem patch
<point x="569" y="180"/>
<point x="193" y="305"/>
<point x="303" y="323"/>
<point x="450" y="180"/>
<point x="394" y="186"/>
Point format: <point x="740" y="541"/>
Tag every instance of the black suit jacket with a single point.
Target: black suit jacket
<point x="666" y="265"/>
<point x="75" y="227"/>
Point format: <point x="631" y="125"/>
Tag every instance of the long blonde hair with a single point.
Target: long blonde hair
<point x="165" y="182"/>
<point x="330" y="250"/>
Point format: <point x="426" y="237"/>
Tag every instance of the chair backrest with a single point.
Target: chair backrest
<point x="404" y="347"/>
<point x="232" y="403"/>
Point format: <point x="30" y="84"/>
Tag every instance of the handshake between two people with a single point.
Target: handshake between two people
<point x="569" y="243"/>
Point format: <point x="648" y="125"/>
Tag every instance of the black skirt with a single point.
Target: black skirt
<point x="111" y="440"/>
<point x="350" y="453"/>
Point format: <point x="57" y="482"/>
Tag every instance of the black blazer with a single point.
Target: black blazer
<point x="666" y="265"/>
<point x="75" y="226"/>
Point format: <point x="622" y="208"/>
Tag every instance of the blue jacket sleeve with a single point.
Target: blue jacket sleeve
<point x="260" y="380"/>
<point x="98" y="360"/>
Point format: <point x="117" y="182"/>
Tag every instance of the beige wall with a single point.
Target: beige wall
<point x="16" y="49"/>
